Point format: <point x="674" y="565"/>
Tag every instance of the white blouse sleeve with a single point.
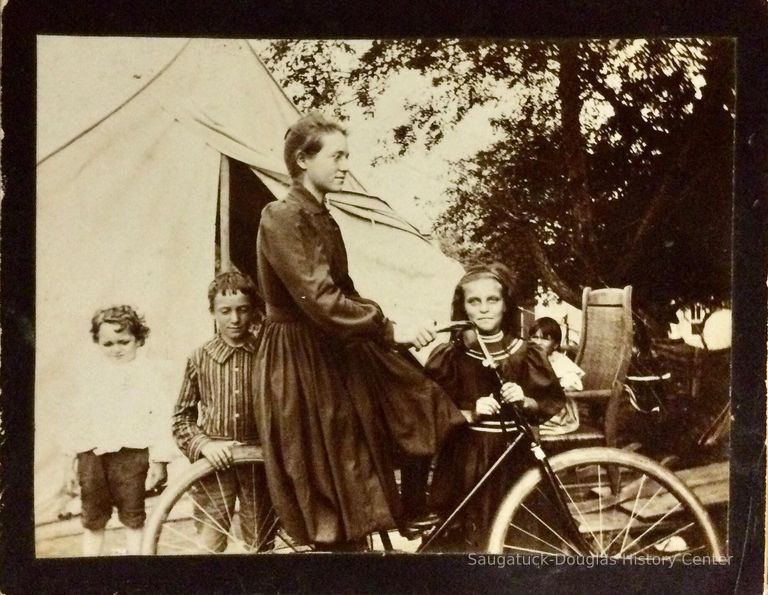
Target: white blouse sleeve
<point x="567" y="371"/>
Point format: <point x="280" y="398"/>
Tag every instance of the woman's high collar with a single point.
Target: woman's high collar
<point x="306" y="199"/>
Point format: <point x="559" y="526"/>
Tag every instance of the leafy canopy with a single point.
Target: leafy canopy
<point x="611" y="163"/>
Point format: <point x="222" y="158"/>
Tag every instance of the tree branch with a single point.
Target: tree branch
<point x="545" y="269"/>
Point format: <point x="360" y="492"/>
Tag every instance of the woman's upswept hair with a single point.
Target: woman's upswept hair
<point x="124" y="317"/>
<point x="306" y="136"/>
<point x="549" y="329"/>
<point x="232" y="282"/>
<point x="499" y="272"/>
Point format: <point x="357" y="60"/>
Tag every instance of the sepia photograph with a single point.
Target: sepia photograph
<point x="299" y="297"/>
<point x="402" y="296"/>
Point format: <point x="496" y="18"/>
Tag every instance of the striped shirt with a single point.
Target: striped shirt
<point x="215" y="401"/>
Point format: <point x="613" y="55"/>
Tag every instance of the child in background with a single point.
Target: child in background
<point x="118" y="429"/>
<point x="546" y="333"/>
<point x="215" y="410"/>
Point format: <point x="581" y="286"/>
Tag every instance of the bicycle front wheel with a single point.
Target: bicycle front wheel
<point x="622" y="504"/>
<point x="207" y="511"/>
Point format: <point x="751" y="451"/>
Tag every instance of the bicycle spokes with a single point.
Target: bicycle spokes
<point x="222" y="513"/>
<point x="621" y="508"/>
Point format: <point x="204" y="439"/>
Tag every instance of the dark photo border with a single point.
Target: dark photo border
<point x="744" y="20"/>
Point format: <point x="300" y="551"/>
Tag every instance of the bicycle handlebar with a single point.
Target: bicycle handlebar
<point x="454" y="325"/>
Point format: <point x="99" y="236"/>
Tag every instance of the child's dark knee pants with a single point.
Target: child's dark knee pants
<point x="96" y="500"/>
<point x="127" y="475"/>
<point x="113" y="479"/>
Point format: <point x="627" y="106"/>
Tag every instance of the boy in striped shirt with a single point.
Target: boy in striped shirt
<point x="214" y="411"/>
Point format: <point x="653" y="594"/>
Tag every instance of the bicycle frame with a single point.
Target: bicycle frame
<point x="524" y="431"/>
<point x="542" y="479"/>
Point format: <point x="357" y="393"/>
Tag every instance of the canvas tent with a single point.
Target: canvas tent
<point x="144" y="147"/>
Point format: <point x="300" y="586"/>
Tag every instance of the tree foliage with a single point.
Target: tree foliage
<point x="612" y="163"/>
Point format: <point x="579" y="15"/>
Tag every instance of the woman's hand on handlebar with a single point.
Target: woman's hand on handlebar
<point x="417" y="336"/>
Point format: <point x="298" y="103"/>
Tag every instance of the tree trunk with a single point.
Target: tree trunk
<point x="574" y="151"/>
<point x="546" y="270"/>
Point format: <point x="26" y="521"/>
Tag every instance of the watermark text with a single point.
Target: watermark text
<point x="542" y="560"/>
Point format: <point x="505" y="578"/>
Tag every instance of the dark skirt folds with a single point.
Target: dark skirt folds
<point x="464" y="459"/>
<point x="331" y="415"/>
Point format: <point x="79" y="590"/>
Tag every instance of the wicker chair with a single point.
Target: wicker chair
<point x="604" y="353"/>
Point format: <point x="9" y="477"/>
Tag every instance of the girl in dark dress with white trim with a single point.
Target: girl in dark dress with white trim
<point x="484" y="296"/>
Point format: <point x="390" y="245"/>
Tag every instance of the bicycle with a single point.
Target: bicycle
<point x="597" y="501"/>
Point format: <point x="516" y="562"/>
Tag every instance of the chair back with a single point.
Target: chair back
<point x="605" y="348"/>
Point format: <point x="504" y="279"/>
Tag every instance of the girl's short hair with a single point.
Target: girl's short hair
<point x="549" y="329"/>
<point x="232" y="282"/>
<point x="499" y="272"/>
<point x="306" y="136"/>
<point x="125" y="317"/>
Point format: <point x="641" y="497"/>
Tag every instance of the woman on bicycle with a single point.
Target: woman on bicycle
<point x="485" y="297"/>
<point x="332" y="395"/>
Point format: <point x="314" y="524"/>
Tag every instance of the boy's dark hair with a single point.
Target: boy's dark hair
<point x="231" y="282"/>
<point x="124" y="317"/>
<point x="499" y="272"/>
<point x="549" y="329"/>
<point x="306" y="136"/>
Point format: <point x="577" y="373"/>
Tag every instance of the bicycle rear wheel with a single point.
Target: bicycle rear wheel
<point x="623" y="504"/>
<point x="191" y="517"/>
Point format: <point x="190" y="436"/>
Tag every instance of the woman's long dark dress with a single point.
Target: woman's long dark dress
<point x="468" y="454"/>
<point x="333" y="397"/>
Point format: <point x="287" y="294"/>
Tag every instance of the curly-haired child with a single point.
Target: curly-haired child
<point x="119" y="429"/>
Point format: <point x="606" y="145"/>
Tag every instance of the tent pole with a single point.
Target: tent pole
<point x="226" y="264"/>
